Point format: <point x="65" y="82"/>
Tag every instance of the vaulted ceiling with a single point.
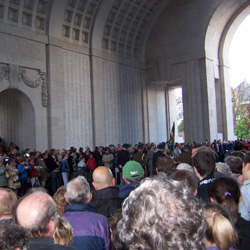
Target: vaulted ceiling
<point x="125" y="22"/>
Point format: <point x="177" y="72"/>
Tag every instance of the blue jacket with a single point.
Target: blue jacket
<point x="23" y="172"/>
<point x="91" y="230"/>
<point x="65" y="166"/>
<point x="127" y="189"/>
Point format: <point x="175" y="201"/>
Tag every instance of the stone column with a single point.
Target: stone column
<point x="56" y="129"/>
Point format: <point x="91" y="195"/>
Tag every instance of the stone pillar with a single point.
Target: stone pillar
<point x="56" y="129"/>
<point x="200" y="120"/>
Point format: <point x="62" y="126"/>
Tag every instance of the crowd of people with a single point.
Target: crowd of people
<point x="143" y="196"/>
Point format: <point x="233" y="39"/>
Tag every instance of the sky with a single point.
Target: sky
<point x="239" y="54"/>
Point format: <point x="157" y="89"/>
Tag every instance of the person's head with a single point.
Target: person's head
<point x="113" y="220"/>
<point x="64" y="232"/>
<point x="13" y="237"/>
<point x="78" y="191"/>
<point x="36" y="212"/>
<point x="204" y="164"/>
<point x="235" y="164"/>
<point x="226" y="192"/>
<point x="195" y="149"/>
<point x="185" y="166"/>
<point x="59" y="198"/>
<point x="8" y="200"/>
<point x="132" y="171"/>
<point x="246" y="160"/>
<point x="223" y="168"/>
<point x="164" y="164"/>
<point x="102" y="178"/>
<point x="238" y="154"/>
<point x="220" y="229"/>
<point x="161" y="146"/>
<point x="187" y="178"/>
<point x="156" y="215"/>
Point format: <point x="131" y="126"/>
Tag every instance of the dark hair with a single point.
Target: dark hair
<point x="235" y="164"/>
<point x="239" y="154"/>
<point x="185" y="177"/>
<point x="204" y="163"/>
<point x="226" y="192"/>
<point x="246" y="159"/>
<point x="164" y="164"/>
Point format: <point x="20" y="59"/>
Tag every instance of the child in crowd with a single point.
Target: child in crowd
<point x="33" y="173"/>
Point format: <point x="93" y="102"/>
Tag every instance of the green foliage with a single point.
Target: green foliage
<point x="181" y="127"/>
<point x="242" y="128"/>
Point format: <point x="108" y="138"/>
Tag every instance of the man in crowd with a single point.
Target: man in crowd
<point x="133" y="173"/>
<point x="159" y="153"/>
<point x="36" y="212"/>
<point x="91" y="230"/>
<point x="204" y="167"/>
<point x="106" y="195"/>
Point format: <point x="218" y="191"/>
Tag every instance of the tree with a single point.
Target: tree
<point x="241" y="110"/>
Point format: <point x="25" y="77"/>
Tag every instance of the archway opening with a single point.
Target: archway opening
<point x="17" y="118"/>
<point x="239" y="55"/>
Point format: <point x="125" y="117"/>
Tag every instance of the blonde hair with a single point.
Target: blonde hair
<point x="64" y="232"/>
<point x="220" y="228"/>
<point x="60" y="201"/>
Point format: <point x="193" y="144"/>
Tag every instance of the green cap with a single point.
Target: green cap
<point x="125" y="145"/>
<point x="132" y="170"/>
<point x="161" y="145"/>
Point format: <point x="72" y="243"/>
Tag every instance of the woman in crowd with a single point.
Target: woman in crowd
<point x="226" y="192"/>
<point x="13" y="179"/>
<point x="220" y="233"/>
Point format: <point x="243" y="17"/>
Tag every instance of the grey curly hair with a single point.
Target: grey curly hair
<point x="162" y="214"/>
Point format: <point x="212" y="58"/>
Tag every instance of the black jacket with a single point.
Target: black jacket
<point x="46" y="243"/>
<point x="106" y="200"/>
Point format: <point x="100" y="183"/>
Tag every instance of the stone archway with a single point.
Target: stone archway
<point x="17" y="119"/>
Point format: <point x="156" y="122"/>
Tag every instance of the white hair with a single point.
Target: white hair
<point x="78" y="190"/>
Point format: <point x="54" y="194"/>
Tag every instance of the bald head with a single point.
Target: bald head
<point x="35" y="213"/>
<point x="102" y="178"/>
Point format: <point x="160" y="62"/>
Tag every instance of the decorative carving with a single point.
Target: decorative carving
<point x="30" y="83"/>
<point x="44" y="91"/>
<point x="4" y="72"/>
<point x="36" y="83"/>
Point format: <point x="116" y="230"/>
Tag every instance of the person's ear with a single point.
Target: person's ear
<point x="113" y="181"/>
<point x="90" y="198"/>
<point x="66" y="198"/>
<point x="51" y="228"/>
<point x="157" y="171"/>
<point x="94" y="185"/>
<point x="212" y="200"/>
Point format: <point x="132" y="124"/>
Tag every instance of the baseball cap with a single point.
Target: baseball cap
<point x="132" y="170"/>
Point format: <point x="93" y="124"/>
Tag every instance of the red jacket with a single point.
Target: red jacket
<point x="91" y="164"/>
